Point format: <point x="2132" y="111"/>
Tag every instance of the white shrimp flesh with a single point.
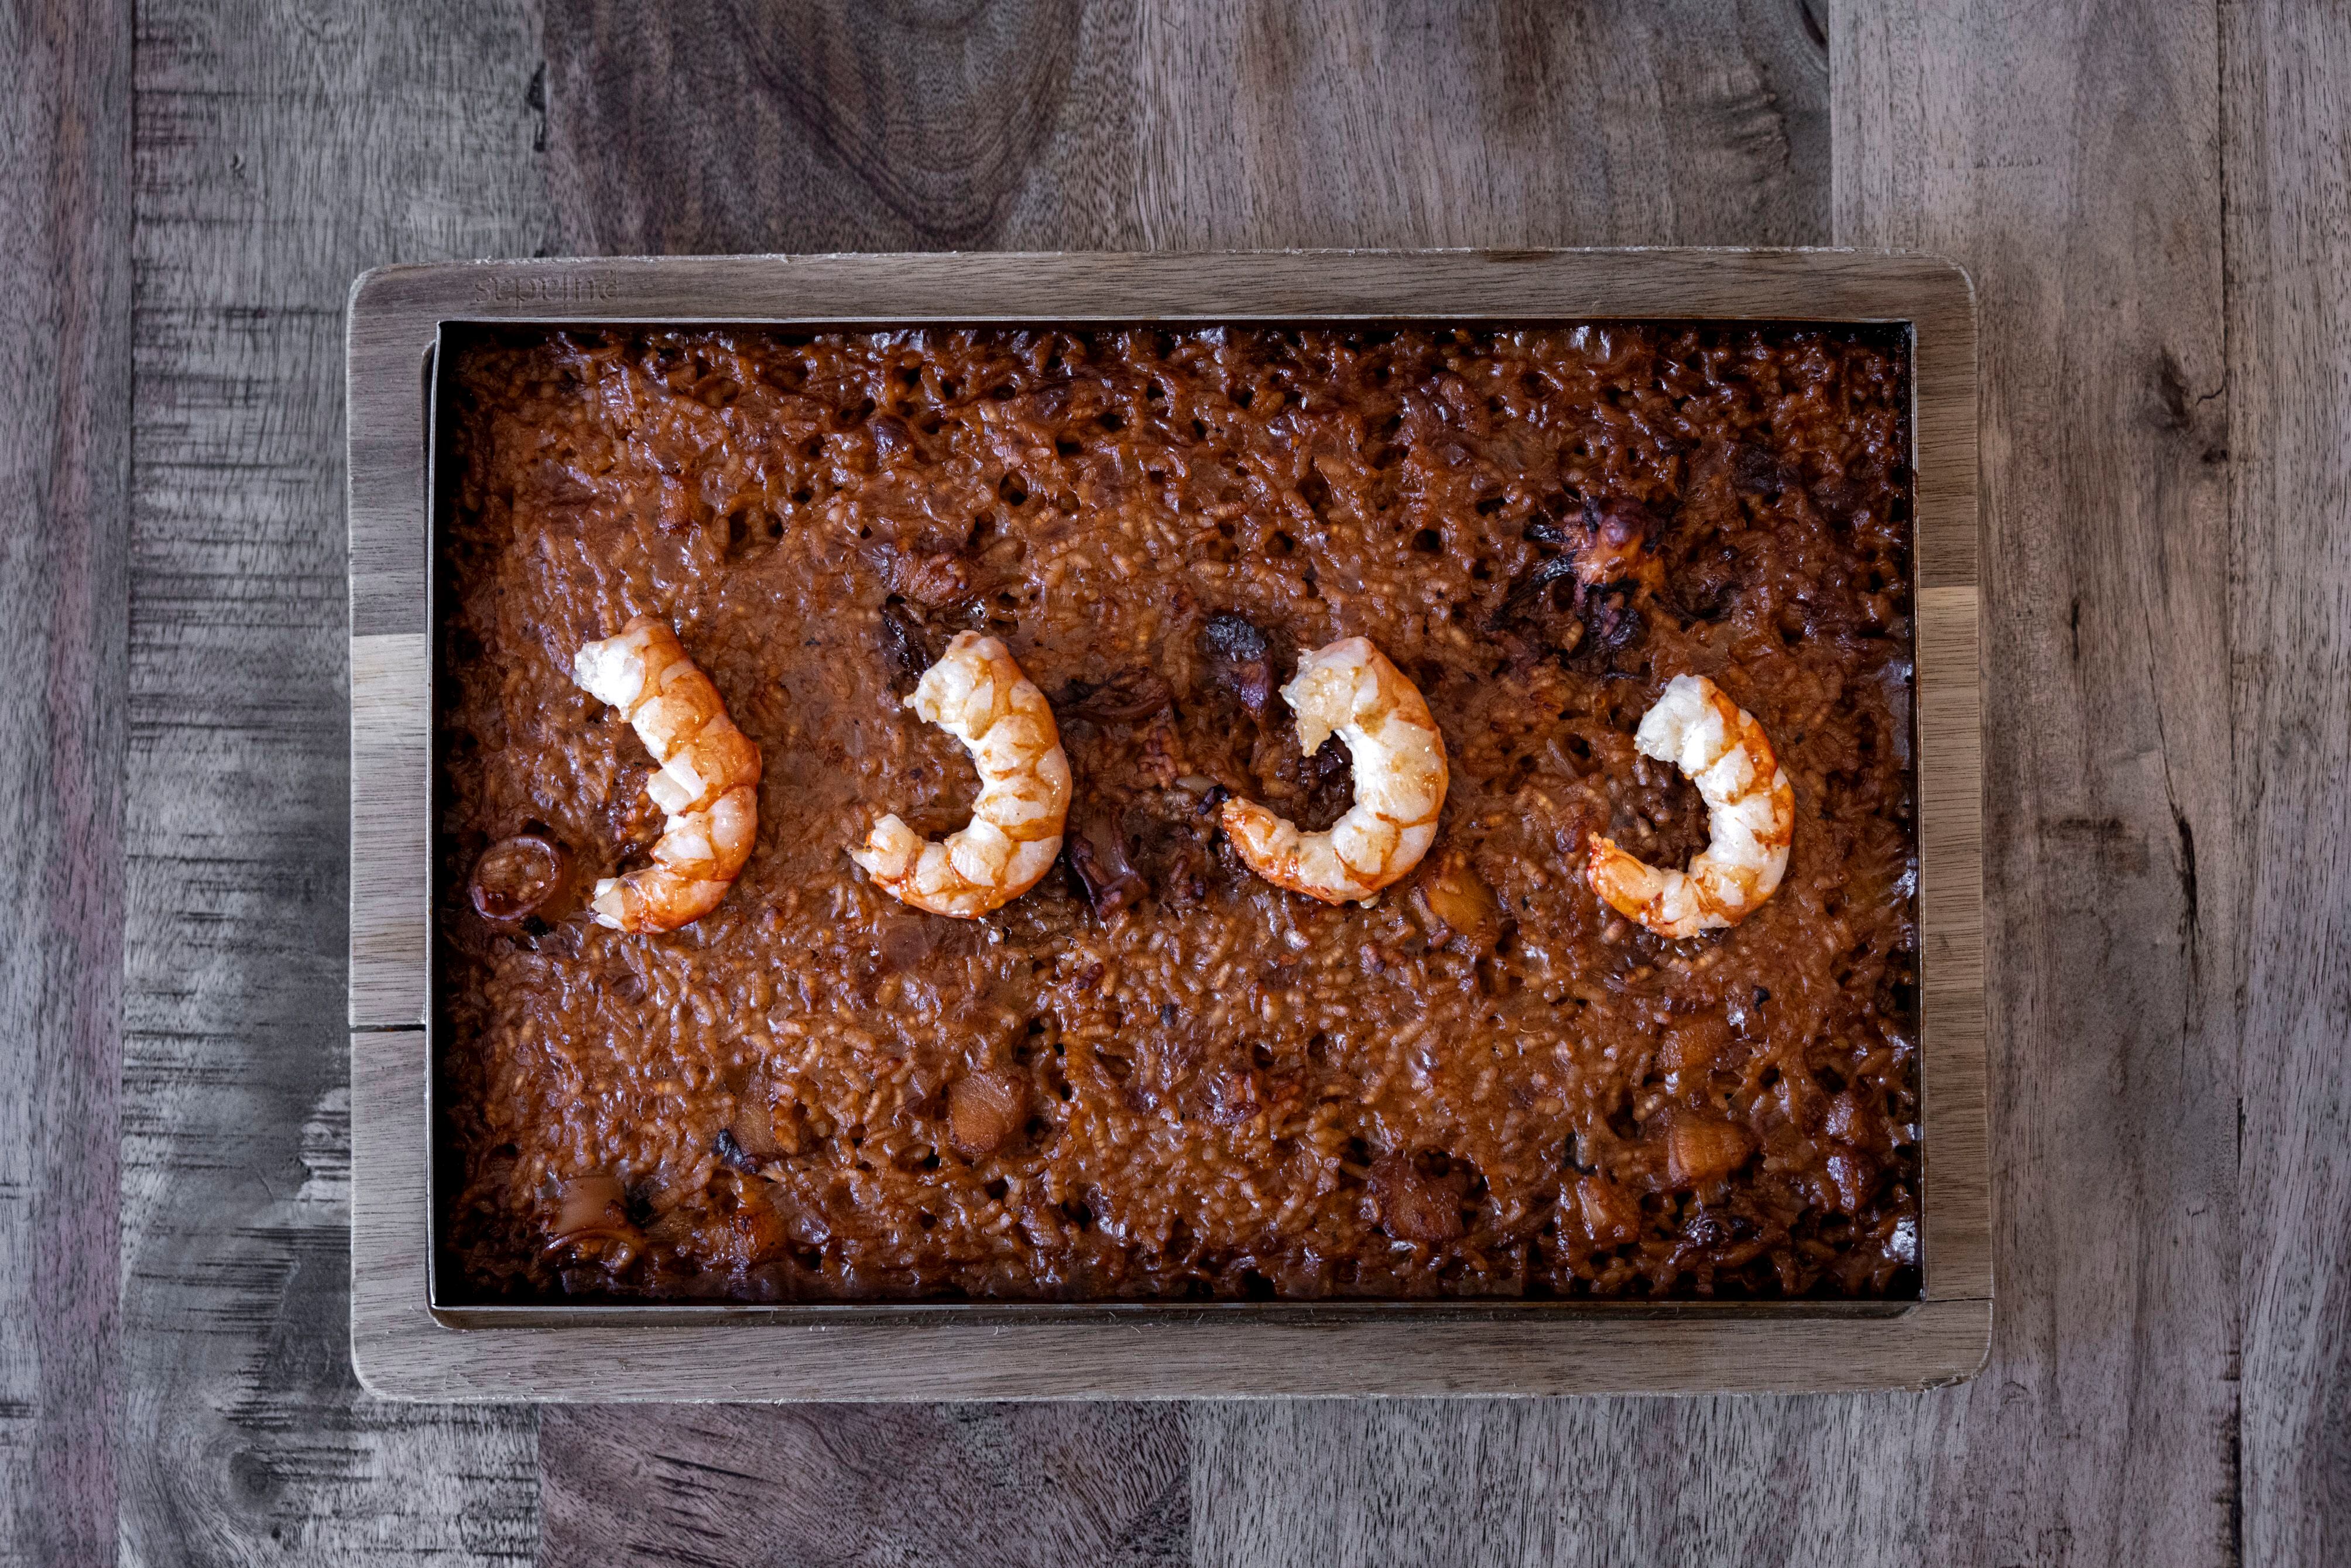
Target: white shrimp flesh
<point x="1350" y="689"/>
<point x="1751" y="814"/>
<point x="976" y="693"/>
<point x="708" y="782"/>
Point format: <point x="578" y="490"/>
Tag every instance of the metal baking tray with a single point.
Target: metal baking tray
<point x="415" y="1335"/>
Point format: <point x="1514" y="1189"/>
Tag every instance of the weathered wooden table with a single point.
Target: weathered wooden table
<point x="2156" y="204"/>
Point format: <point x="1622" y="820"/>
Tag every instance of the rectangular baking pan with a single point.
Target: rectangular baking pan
<point x="414" y="1337"/>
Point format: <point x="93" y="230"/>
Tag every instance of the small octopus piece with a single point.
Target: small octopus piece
<point x="1751" y="814"/>
<point x="1131" y="694"/>
<point x="1615" y="536"/>
<point x="1350" y="688"/>
<point x="708" y="783"/>
<point x="1105" y="875"/>
<point x="1241" y="657"/>
<point x="978" y="695"/>
<point x="902" y="647"/>
<point x="1612" y="548"/>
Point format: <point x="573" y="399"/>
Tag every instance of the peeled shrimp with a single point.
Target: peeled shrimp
<point x="708" y="782"/>
<point x="1751" y="813"/>
<point x="1350" y="688"/>
<point x="978" y="694"/>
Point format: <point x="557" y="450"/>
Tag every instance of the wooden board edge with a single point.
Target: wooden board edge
<point x="388" y="341"/>
<point x="1956" y="1210"/>
<point x="390" y="865"/>
<point x="387" y="344"/>
<point x="1938" y="1346"/>
<point x="1661" y="283"/>
<point x="1955" y="1220"/>
<point x="395" y="314"/>
<point x="1946" y="495"/>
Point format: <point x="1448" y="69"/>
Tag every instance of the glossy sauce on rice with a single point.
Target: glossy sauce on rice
<point x="1155" y="1076"/>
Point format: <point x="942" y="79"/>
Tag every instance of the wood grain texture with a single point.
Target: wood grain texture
<point x="281" y="149"/>
<point x="1017" y="1485"/>
<point x="2288" y="91"/>
<point x="392" y="751"/>
<point x="1402" y="1484"/>
<point x="2070" y="157"/>
<point x="65" y="359"/>
<point x="754" y="125"/>
<point x="1957" y="1219"/>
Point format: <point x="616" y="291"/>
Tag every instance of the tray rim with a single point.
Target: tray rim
<point x="402" y="1347"/>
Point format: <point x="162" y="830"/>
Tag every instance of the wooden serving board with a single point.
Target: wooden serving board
<point x="404" y="1347"/>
